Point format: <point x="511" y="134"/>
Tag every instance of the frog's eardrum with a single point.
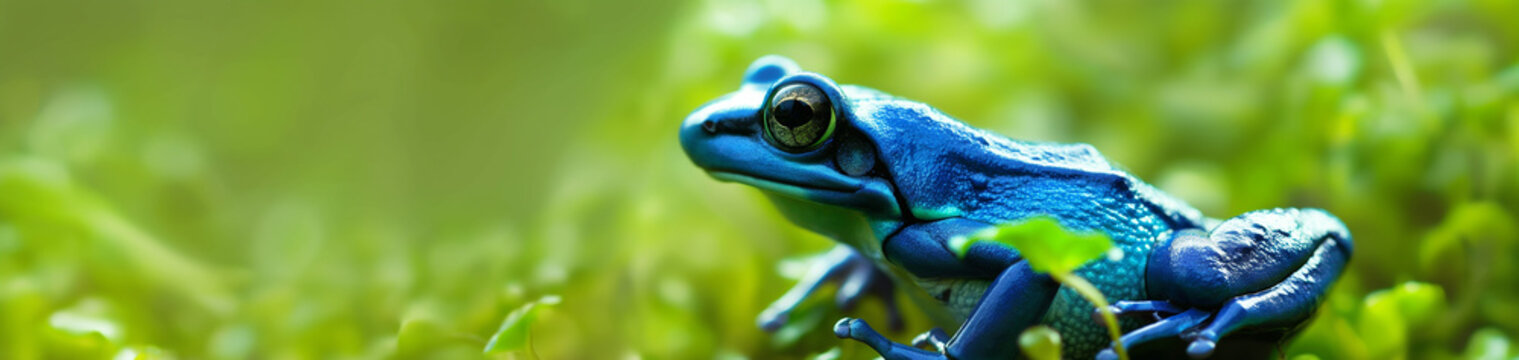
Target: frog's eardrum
<point x="855" y="157"/>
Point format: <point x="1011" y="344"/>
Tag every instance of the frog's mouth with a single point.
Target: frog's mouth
<point x="872" y="197"/>
<point x="781" y="186"/>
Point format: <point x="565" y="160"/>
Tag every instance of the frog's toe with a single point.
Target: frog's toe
<point x="852" y="328"/>
<point x="1202" y="347"/>
<point x="772" y="320"/>
<point x="856" y="329"/>
<point x="844" y="329"/>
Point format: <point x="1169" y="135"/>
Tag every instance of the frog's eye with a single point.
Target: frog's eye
<point x="800" y="118"/>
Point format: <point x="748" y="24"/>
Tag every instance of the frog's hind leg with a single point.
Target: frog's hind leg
<point x="1263" y="270"/>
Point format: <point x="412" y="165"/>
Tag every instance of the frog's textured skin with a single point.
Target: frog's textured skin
<point x="892" y="180"/>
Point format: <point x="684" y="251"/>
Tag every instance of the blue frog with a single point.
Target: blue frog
<point x="892" y="180"/>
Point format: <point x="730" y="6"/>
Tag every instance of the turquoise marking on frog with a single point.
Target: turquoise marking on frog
<point x="892" y="180"/>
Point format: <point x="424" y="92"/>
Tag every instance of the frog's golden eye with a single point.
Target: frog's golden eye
<point x="800" y="118"/>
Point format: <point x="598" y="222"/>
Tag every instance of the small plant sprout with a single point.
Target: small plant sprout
<point x="516" y="331"/>
<point x="1051" y="249"/>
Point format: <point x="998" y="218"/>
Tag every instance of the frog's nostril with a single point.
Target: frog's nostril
<point x="709" y="125"/>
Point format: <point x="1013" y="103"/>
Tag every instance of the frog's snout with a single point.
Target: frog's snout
<point x="697" y="132"/>
<point x="717" y="119"/>
<point x="713" y="133"/>
<point x="693" y="131"/>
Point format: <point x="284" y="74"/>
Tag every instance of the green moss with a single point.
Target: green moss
<point x="320" y="180"/>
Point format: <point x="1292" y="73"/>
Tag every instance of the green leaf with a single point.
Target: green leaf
<point x="1334" y="60"/>
<point x="1467" y="224"/>
<point x="1421" y="303"/>
<point x="1487" y="343"/>
<point x="420" y="334"/>
<point x="512" y="336"/>
<point x="1390" y="317"/>
<point x="831" y="354"/>
<point x="1040" y="343"/>
<point x="1048" y="247"/>
<point x="1383" y="326"/>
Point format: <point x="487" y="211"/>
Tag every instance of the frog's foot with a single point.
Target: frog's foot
<point x="858" y="277"/>
<point x="1264" y="271"/>
<point x="1158" y="309"/>
<point x="933" y="339"/>
<point x="1170" y="321"/>
<point x="856" y="329"/>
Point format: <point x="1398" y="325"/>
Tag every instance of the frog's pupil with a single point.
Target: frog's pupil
<point x="793" y="112"/>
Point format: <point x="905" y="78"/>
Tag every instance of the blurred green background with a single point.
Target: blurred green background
<point x="356" y="179"/>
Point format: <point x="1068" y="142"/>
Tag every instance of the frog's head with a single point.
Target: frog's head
<point x="817" y="148"/>
<point x="792" y="133"/>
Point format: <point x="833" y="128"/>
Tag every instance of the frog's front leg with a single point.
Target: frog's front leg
<point x="1016" y="299"/>
<point x="1264" y="271"/>
<point x="858" y="277"/>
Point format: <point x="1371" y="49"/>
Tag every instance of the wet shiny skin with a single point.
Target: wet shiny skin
<point x="894" y="179"/>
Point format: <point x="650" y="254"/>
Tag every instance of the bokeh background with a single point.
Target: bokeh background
<point x="379" y="179"/>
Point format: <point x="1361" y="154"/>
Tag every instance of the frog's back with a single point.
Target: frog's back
<point x="945" y="168"/>
<point x="1088" y="196"/>
<point x="960" y="171"/>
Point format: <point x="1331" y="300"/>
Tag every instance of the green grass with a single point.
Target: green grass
<point x="224" y="180"/>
